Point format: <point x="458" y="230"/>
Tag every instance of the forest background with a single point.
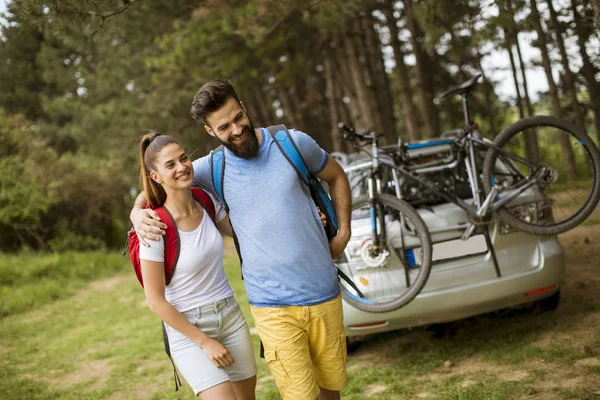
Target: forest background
<point x="82" y="80"/>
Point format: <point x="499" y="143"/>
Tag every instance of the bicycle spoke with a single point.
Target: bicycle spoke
<point x="390" y="278"/>
<point x="564" y="168"/>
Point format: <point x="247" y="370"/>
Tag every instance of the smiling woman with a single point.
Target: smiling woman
<point x="208" y="336"/>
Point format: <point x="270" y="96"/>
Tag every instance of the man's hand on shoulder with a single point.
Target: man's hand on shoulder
<point x="147" y="225"/>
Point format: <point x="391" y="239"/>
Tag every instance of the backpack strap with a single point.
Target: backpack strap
<point x="168" y="351"/>
<point x="283" y="140"/>
<point x="206" y="202"/>
<point x="217" y="167"/>
<point x="217" y="172"/>
<point x="170" y="242"/>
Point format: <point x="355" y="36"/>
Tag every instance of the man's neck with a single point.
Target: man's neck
<point x="258" y="136"/>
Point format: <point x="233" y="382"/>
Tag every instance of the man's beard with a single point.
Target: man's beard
<point x="248" y="148"/>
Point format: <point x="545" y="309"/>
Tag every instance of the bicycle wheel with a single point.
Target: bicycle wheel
<point x="566" y="169"/>
<point x="393" y="278"/>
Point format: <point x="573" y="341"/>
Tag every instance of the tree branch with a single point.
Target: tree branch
<point x="104" y="17"/>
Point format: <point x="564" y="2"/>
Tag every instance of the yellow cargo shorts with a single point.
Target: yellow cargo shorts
<point x="305" y="347"/>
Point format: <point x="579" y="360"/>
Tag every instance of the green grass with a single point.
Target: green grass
<point x="590" y="222"/>
<point x="28" y="281"/>
<point x="102" y="342"/>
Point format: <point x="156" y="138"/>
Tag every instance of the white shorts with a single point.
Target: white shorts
<point x="224" y="322"/>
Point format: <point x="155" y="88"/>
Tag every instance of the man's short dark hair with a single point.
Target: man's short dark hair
<point x="211" y="97"/>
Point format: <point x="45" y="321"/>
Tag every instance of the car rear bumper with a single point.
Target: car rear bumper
<point x="439" y="302"/>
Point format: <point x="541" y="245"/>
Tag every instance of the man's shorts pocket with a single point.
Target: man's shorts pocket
<point x="280" y="375"/>
<point x="343" y="347"/>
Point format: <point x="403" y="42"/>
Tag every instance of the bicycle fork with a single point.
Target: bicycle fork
<point x="378" y="233"/>
<point x="481" y="212"/>
<point x="481" y="207"/>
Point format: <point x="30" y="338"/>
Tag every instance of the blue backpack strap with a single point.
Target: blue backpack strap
<point x="282" y="138"/>
<point x="217" y="167"/>
<point x="286" y="144"/>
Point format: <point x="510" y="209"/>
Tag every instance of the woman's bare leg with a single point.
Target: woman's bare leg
<point x="222" y="391"/>
<point x="245" y="390"/>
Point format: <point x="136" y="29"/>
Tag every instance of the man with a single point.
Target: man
<point x="287" y="265"/>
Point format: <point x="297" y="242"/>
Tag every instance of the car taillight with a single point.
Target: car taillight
<point x="538" y="212"/>
<point x="541" y="290"/>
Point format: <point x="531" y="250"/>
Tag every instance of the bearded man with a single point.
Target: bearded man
<point x="290" y="278"/>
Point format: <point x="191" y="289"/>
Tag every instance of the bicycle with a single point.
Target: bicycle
<point x="535" y="196"/>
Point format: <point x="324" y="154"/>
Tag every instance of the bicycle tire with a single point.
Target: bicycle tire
<point x="367" y="278"/>
<point x="588" y="148"/>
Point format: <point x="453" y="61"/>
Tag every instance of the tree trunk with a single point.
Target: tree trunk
<point x="587" y="69"/>
<point x="546" y="63"/>
<point x="552" y="89"/>
<point x="254" y="104"/>
<point x="361" y="98"/>
<point x="428" y="109"/>
<point x="334" y="118"/>
<point x="530" y="147"/>
<point x="40" y="241"/>
<point x="528" y="105"/>
<point x="342" y="110"/>
<point x="315" y="100"/>
<point x="407" y="107"/>
<point x="569" y="78"/>
<point x="488" y="90"/>
<point x="531" y="142"/>
<point x="513" y="66"/>
<point x="262" y="110"/>
<point x="288" y="108"/>
<point x="383" y="94"/>
<point x="596" y="4"/>
<point x="345" y="87"/>
<point x="20" y="237"/>
<point x="365" y="51"/>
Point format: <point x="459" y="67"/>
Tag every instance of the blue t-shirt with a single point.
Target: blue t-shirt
<point x="285" y="252"/>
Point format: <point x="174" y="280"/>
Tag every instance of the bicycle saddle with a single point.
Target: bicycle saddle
<point x="464" y="87"/>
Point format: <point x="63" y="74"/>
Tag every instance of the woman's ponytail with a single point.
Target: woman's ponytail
<point x="151" y="144"/>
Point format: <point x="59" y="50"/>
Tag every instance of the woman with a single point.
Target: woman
<point x="208" y="335"/>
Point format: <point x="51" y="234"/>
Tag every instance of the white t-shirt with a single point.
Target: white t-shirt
<point x="199" y="277"/>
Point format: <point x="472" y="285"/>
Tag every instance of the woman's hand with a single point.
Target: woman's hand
<point x="217" y="353"/>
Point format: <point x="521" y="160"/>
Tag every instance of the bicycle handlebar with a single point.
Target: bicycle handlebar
<point x="350" y="133"/>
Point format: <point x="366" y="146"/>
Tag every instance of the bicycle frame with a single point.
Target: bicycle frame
<point x="481" y="208"/>
<point x="471" y="167"/>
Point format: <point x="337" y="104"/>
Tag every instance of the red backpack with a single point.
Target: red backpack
<point x="170" y="239"/>
<point x="172" y="249"/>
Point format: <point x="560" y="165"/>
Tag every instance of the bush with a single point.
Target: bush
<point x="57" y="202"/>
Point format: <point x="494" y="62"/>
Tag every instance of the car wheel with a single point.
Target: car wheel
<point x="443" y="330"/>
<point x="351" y="344"/>
<point x="549" y="303"/>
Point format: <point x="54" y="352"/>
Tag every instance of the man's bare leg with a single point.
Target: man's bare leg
<point x="328" y="395"/>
